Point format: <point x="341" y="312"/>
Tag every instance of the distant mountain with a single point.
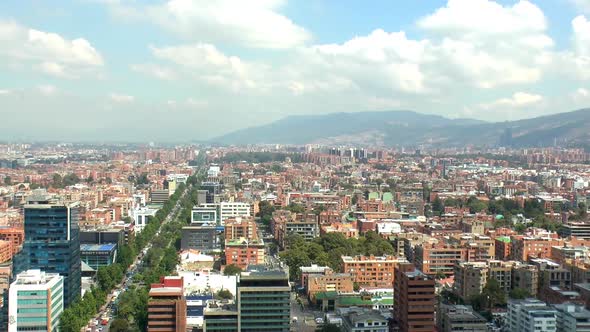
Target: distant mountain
<point x="412" y="129"/>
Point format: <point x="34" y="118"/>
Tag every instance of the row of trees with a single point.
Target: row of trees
<point x="260" y="157"/>
<point x="328" y="249"/>
<point x="160" y="260"/>
<point x="108" y="277"/>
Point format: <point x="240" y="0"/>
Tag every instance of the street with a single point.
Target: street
<point x="95" y="324"/>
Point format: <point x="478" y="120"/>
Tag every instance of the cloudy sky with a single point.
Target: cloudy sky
<point x="179" y="69"/>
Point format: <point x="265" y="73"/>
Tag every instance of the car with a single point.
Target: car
<point x="294" y="319"/>
<point x="319" y="321"/>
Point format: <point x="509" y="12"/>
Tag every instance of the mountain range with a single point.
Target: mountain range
<point x="408" y="128"/>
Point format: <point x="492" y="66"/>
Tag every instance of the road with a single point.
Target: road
<point x="107" y="309"/>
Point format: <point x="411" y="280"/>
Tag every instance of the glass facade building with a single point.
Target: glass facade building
<point x="52" y="242"/>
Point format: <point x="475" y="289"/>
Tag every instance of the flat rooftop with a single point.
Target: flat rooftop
<point x="97" y="247"/>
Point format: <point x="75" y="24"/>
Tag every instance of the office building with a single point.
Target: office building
<point x="201" y="215"/>
<point x="456" y="318"/>
<point x="159" y="196"/>
<point x="531" y="315"/>
<point x="577" y="229"/>
<point x="220" y="316"/>
<point x="35" y="301"/>
<point x="263" y="300"/>
<point x="98" y="255"/>
<point x="167" y="306"/>
<point x="414" y="299"/>
<point x="141" y="216"/>
<point x="52" y="242"/>
<point x="202" y="238"/>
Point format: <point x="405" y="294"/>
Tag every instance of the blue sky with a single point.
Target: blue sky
<point x="178" y="70"/>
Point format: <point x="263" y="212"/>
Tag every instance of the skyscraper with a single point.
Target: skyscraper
<point x="263" y="300"/>
<point x="52" y="242"/>
<point x="414" y="299"/>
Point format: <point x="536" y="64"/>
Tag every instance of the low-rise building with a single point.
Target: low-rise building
<point x="531" y="315"/>
<point x="456" y="318"/>
<point x="371" y="271"/>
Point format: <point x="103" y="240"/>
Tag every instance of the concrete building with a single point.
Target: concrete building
<point x="414" y="299"/>
<point x="35" y="301"/>
<point x="333" y="282"/>
<point x="224" y="210"/>
<point x="167" y="306"/>
<point x="458" y="318"/>
<point x="470" y="279"/>
<point x="438" y="259"/>
<point x="572" y="317"/>
<point x="204" y="215"/>
<point x="364" y="320"/>
<point x="159" y="196"/>
<point x="264" y="300"/>
<point x="526" y="276"/>
<point x="220" y="316"/>
<point x="141" y="217"/>
<point x="371" y="271"/>
<point x="577" y="229"/>
<point x="202" y="238"/>
<point x="531" y="315"/>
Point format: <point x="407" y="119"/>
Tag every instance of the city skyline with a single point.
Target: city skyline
<point x="191" y="70"/>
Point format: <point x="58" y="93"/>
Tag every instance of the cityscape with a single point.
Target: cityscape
<point x="295" y="166"/>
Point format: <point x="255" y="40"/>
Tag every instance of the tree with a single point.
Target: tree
<point x="231" y="270"/>
<point x="8" y="180"/>
<point x="356" y="287"/>
<point x="225" y="294"/>
<point x="437" y="207"/>
<point x="519" y="293"/>
<point x="119" y="325"/>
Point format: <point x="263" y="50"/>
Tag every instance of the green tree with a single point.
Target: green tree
<point x="519" y="293"/>
<point x="119" y="325"/>
<point x="231" y="270"/>
<point x="330" y="328"/>
<point x="8" y="180"/>
<point x="224" y="294"/>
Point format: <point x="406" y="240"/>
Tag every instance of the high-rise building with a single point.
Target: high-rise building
<point x="414" y="300"/>
<point x="167" y="306"/>
<point x="52" y="242"/>
<point x="263" y="300"/>
<point x="35" y="301"/>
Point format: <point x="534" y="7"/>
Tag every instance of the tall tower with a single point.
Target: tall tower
<point x="263" y="300"/>
<point x="52" y="242"/>
<point x="414" y="299"/>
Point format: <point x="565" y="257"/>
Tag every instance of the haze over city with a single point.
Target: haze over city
<point x="179" y="70"/>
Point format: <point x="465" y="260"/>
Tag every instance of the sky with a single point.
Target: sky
<point x="181" y="70"/>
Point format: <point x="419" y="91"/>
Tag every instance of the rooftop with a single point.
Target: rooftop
<point x="108" y="247"/>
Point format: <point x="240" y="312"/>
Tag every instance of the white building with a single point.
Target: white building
<point x="531" y="315"/>
<point x="228" y="210"/>
<point x="35" y="301"/>
<point x="141" y="216"/>
<point x="206" y="282"/>
<point x="572" y="317"/>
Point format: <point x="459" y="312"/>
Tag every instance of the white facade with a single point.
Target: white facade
<point x="531" y="315"/>
<point x="572" y="317"/>
<point x="141" y="217"/>
<point x="35" y="301"/>
<point x="229" y="210"/>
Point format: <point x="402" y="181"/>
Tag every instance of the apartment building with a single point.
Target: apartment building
<point x="167" y="306"/>
<point x="241" y="227"/>
<point x="243" y="252"/>
<point x="414" y="299"/>
<point x="454" y="318"/>
<point x="438" y="259"/>
<point x="371" y="271"/>
<point x="531" y="315"/>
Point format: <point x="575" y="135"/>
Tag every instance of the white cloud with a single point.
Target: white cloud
<point x="155" y="70"/>
<point x="581" y="28"/>
<point x="120" y="98"/>
<point x="518" y="100"/>
<point x="49" y="52"/>
<point x="252" y="24"/>
<point x="581" y="95"/>
<point x="47" y="90"/>
<point x="207" y="64"/>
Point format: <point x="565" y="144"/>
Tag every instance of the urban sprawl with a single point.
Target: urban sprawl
<point x="293" y="238"/>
